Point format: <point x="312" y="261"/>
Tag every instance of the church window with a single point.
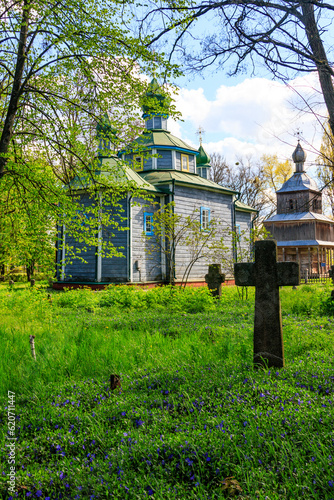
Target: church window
<point x="237" y="232"/>
<point x="157" y="122"/>
<point x="291" y="204"/>
<point x="185" y="163"/>
<point x="138" y="163"/>
<point x="205" y="218"/>
<point x="148" y="223"/>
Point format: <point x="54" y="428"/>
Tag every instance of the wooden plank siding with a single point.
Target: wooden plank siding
<point x="243" y="220"/>
<point x="192" y="162"/>
<point x="115" y="269"/>
<point x="77" y="270"/>
<point x="282" y="231"/>
<point x="147" y="164"/>
<point x="324" y="232"/>
<point x="164" y="160"/>
<point x="148" y="267"/>
<point x="186" y="200"/>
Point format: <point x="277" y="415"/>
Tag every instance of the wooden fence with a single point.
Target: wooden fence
<point x="315" y="278"/>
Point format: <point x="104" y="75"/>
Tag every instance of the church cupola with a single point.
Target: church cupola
<point x="105" y="134"/>
<point x="155" y="107"/>
<point x="300" y="193"/>
<point x="203" y="163"/>
<point x="299" y="157"/>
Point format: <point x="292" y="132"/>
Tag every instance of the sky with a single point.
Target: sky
<point x="250" y="116"/>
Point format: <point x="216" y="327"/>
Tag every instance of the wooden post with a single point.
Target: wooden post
<point x="63" y="254"/>
<point x="318" y="263"/>
<point x="32" y="346"/>
<point x="283" y="254"/>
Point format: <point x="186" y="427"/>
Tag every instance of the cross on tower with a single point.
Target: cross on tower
<point x="199" y="133"/>
<point x="267" y="276"/>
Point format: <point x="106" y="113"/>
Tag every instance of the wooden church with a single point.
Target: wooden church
<point x="171" y="171"/>
<point x="303" y="233"/>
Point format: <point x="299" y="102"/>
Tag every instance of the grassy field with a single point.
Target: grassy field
<point x="193" y="420"/>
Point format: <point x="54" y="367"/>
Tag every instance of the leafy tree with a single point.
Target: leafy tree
<point x="63" y="65"/>
<point x="289" y="36"/>
<point x="255" y="181"/>
<point x="275" y="172"/>
<point x="172" y="231"/>
<point x="325" y="170"/>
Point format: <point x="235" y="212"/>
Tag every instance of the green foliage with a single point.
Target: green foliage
<point x="307" y="300"/>
<point x="191" y="412"/>
<point x="327" y="306"/>
<point x="135" y="298"/>
<point x="326" y="166"/>
<point x="64" y="67"/>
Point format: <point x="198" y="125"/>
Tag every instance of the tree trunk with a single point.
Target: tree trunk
<point x="2" y="272"/>
<point x="324" y="70"/>
<point x="30" y="271"/>
<point x="7" y="130"/>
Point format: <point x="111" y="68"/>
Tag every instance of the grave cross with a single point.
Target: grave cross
<point x="267" y="276"/>
<point x="331" y="273"/>
<point x="214" y="279"/>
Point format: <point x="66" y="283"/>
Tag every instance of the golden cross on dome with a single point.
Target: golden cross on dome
<point x="200" y="132"/>
<point x="298" y="134"/>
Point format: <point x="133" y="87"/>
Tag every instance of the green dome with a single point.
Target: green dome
<point x="155" y="101"/>
<point x="203" y="159"/>
<point x="104" y="128"/>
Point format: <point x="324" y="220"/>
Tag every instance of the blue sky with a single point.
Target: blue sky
<point x="249" y="115"/>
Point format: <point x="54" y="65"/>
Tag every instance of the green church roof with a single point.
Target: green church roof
<point x="161" y="139"/>
<point x="203" y="159"/>
<point x="242" y="207"/>
<point x="160" y="177"/>
<point x="155" y="101"/>
<point x="116" y="171"/>
<point x="104" y="128"/>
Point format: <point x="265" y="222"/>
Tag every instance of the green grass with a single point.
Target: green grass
<point x="192" y="411"/>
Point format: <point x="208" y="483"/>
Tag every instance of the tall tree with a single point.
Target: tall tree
<point x="246" y="177"/>
<point x="63" y="65"/>
<point x="290" y="36"/>
<point x="275" y="172"/>
<point x="325" y="171"/>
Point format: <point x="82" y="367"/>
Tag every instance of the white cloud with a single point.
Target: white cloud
<point x="254" y="117"/>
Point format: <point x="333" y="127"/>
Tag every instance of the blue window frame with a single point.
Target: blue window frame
<point x="148" y="223"/>
<point x="205" y="218"/>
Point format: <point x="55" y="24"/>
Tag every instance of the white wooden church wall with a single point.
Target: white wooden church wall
<point x="220" y="205"/>
<point x="243" y="223"/>
<point x="145" y="266"/>
<point x="77" y="269"/>
<point x="116" y="268"/>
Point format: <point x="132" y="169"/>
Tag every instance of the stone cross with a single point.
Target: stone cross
<point x="214" y="279"/>
<point x="331" y="273"/>
<point x="267" y="276"/>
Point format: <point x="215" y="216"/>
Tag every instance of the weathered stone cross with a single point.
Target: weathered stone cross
<point x="267" y="276"/>
<point x="214" y="279"/>
<point x="331" y="273"/>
